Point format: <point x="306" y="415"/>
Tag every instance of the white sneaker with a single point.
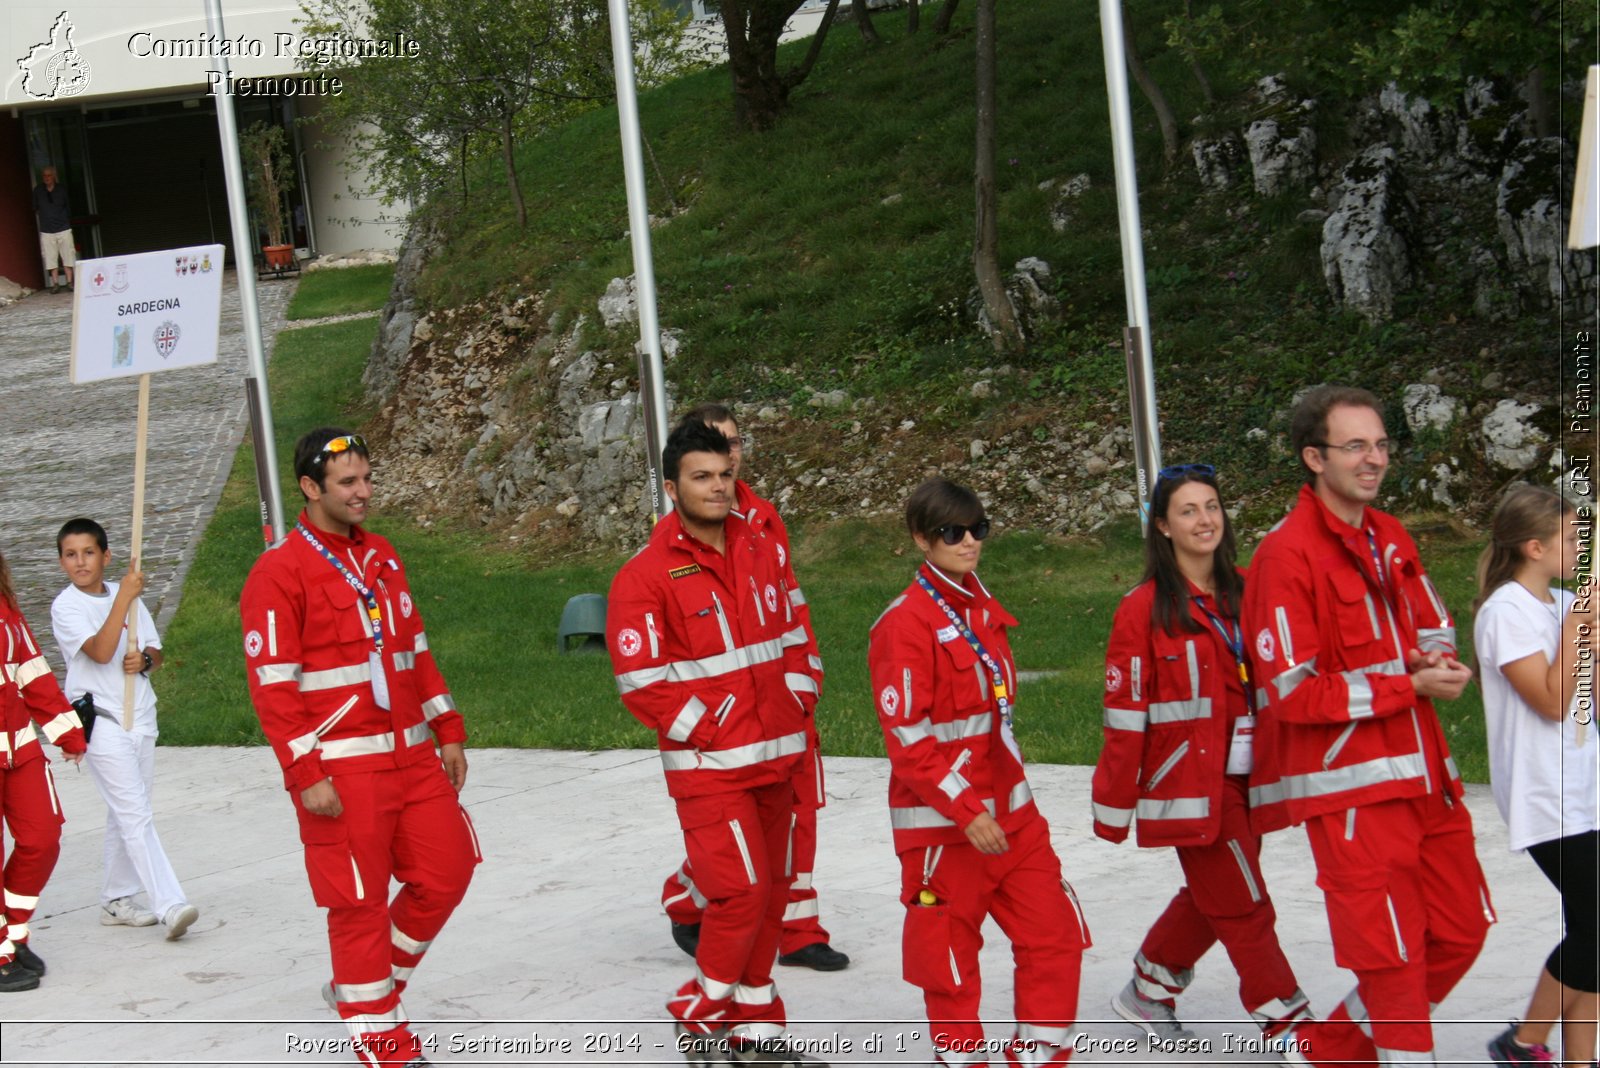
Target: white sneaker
<point x="125" y="912"/>
<point x="1153" y="1016"/>
<point x="178" y="919"/>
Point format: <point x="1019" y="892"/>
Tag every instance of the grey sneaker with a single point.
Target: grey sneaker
<point x="125" y="912"/>
<point x="178" y="919"/>
<point x="1153" y="1016"/>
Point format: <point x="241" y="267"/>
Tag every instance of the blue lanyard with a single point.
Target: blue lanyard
<point x="374" y="614"/>
<point x="1234" y="639"/>
<point x="997" y="678"/>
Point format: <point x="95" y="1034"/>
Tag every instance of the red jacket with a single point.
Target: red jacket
<point x="308" y="646"/>
<point x="764" y="518"/>
<point x="29" y="695"/>
<point x="1340" y="723"/>
<point x="948" y="753"/>
<point x="709" y="654"/>
<point x="1170" y="704"/>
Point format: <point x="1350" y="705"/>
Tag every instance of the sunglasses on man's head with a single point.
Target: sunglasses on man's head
<point x="956" y="533"/>
<point x="341" y="444"/>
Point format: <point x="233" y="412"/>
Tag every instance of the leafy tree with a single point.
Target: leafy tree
<point x="986" y="242"/>
<point x="485" y="73"/>
<point x="760" y="89"/>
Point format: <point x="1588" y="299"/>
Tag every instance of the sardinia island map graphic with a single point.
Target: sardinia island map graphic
<point x="54" y="68"/>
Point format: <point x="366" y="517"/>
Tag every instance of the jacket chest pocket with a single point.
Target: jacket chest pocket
<point x="703" y="621"/>
<point x="969" y="681"/>
<point x="350" y="624"/>
<point x="1365" y="626"/>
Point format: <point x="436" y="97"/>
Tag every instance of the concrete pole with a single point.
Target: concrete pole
<point x="1136" y="336"/>
<point x="244" y="272"/>
<point x="652" y="377"/>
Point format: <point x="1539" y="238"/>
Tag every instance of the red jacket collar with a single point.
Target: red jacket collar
<point x="969" y="589"/>
<point x="670" y="534"/>
<point x="1335" y="525"/>
<point x="332" y="540"/>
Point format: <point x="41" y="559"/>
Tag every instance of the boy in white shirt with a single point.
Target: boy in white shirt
<point x="89" y="618"/>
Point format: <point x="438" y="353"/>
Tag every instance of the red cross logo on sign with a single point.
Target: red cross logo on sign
<point x="166" y="338"/>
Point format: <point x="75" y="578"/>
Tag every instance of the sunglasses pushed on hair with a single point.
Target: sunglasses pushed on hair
<point x="956" y="533"/>
<point x="340" y="444"/>
<point x="1176" y="471"/>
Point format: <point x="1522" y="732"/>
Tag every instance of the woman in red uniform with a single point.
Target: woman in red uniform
<point x="31" y="704"/>
<point x="970" y="839"/>
<point x="1178" y="722"/>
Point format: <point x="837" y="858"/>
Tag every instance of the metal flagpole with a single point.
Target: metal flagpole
<point x="652" y="379"/>
<point x="249" y="310"/>
<point x="1136" y="335"/>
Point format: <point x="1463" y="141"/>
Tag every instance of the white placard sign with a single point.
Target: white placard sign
<point x="146" y="312"/>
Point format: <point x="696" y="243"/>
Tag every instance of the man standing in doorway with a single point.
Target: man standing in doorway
<point x="804" y="943"/>
<point x="708" y="652"/>
<point x="1352" y="646"/>
<point x="349" y="695"/>
<point x="54" y="211"/>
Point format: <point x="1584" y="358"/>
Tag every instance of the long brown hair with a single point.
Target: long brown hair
<point x="1169" y="610"/>
<point x="7" y="595"/>
<point x="1525" y="512"/>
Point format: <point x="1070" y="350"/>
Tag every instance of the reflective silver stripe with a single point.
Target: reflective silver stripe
<point x="1177" y="711"/>
<point x="905" y="681"/>
<point x="1356" y="1009"/>
<point x="706" y="667"/>
<point x="31" y="669"/>
<point x="1041" y="1044"/>
<point x="1173" y="981"/>
<point x="268" y="674"/>
<point x="1394" y="925"/>
<point x="754" y="995"/>
<point x="715" y="990"/>
<point x="367" y="745"/>
<point x="1352" y="777"/>
<point x="1194" y="667"/>
<point x="15" y="900"/>
<point x="1277" y="1009"/>
<point x="1442" y="639"/>
<point x="1021" y="794"/>
<point x="738" y="757"/>
<point x="420" y="644"/>
<point x="966" y="727"/>
<point x="1136" y="678"/>
<point x="1338" y="745"/>
<point x="405" y="661"/>
<point x="802" y="880"/>
<point x="744" y="850"/>
<point x="1176" y="808"/>
<point x="272" y="632"/>
<point x="815" y="662"/>
<point x="372" y="1023"/>
<point x="1112" y="817"/>
<point x="58" y="725"/>
<point x="952" y="784"/>
<point x="1124" y="719"/>
<point x="304" y="744"/>
<point x="1438" y="606"/>
<point x="333" y="678"/>
<point x="13" y="741"/>
<point x="363" y="991"/>
<point x="1287" y="680"/>
<point x="796" y="598"/>
<point x="1403" y="1056"/>
<point x="921" y="817"/>
<point x="355" y="871"/>
<point x="1284" y="638"/>
<point x="912" y="734"/>
<point x="798" y="683"/>
<point x="1359" y="702"/>
<point x="1450" y="767"/>
<point x="687" y="719"/>
<point x="1167" y="765"/>
<point x="438" y="706"/>
<point x="1244" y="869"/>
<point x="800" y="910"/>
<point x="794" y="636"/>
<point x="1372" y="617"/>
<point x="406" y="944"/>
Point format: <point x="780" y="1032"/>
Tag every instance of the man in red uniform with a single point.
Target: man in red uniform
<point x="1352" y="646"/>
<point x="708" y="652"/>
<point x="30" y="702"/>
<point x="350" y="698"/>
<point x="804" y="942"/>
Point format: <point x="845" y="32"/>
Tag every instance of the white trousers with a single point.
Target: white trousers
<point x="122" y="766"/>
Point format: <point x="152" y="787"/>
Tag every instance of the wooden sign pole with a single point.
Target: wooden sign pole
<point x="136" y="548"/>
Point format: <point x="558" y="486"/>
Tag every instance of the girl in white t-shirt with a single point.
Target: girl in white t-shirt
<point x="1543" y="751"/>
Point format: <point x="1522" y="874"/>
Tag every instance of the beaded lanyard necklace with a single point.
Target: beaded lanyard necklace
<point x="997" y="677"/>
<point x="374" y="613"/>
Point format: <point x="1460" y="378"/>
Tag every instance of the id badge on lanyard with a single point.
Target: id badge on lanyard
<point x="380" y="681"/>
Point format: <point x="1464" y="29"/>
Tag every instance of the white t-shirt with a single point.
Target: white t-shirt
<point x="76" y="617"/>
<point x="1545" y="785"/>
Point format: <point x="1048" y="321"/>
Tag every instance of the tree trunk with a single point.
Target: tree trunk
<point x="986" y="244"/>
<point x="1540" y="114"/>
<point x="798" y="74"/>
<point x="913" y="16"/>
<point x="1194" y="63"/>
<point x="1152" y="92"/>
<point x="863" y="17"/>
<point x="760" y="90"/>
<point x="508" y="153"/>
<point x="941" y="21"/>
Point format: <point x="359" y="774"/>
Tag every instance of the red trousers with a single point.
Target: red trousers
<point x="738" y="845"/>
<point x="802" y="926"/>
<point x="1225" y="900"/>
<point x="1408" y="910"/>
<point x="1024" y="891"/>
<point x="405" y="824"/>
<point x="32" y="813"/>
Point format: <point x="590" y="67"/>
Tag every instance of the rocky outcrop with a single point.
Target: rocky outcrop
<point x="398" y="320"/>
<point x="1532" y="221"/>
<point x="1510" y="439"/>
<point x="1366" y="254"/>
<point x="1219" y="160"/>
